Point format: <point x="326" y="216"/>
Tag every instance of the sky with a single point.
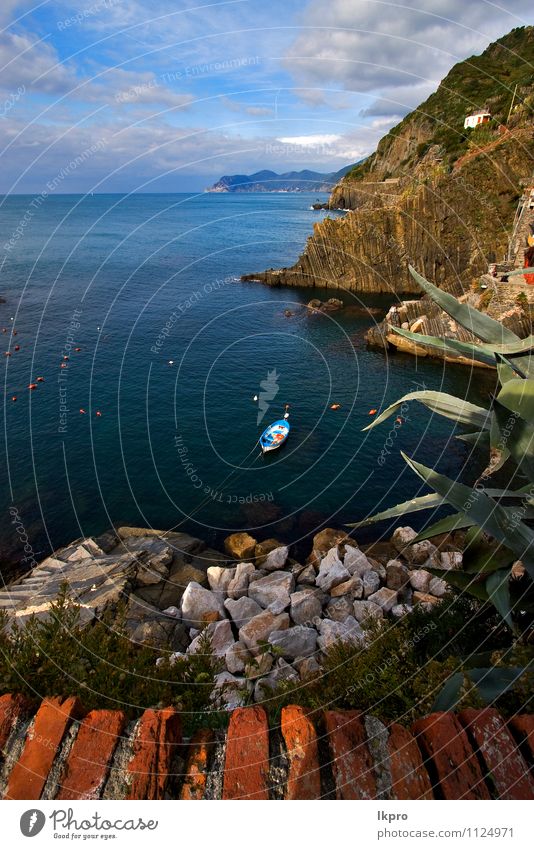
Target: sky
<point x="168" y="95"/>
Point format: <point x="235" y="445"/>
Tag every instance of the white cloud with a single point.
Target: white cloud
<point x="27" y="61"/>
<point x="305" y="141"/>
<point x="389" y="49"/>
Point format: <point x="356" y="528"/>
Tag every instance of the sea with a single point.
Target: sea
<point x="127" y="315"/>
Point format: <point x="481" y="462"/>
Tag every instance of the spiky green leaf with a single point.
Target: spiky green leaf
<point x="489" y="515"/>
<point x="475" y="322"/>
<point x="449" y="406"/>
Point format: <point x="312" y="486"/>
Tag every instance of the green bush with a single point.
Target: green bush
<point x="101" y="665"/>
<point x="401" y="670"/>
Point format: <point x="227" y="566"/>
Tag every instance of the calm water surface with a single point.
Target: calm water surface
<point x="139" y="281"/>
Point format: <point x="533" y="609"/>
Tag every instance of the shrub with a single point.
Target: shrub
<point x="101" y="665"/>
<point x="403" y="666"/>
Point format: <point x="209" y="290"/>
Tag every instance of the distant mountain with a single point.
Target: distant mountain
<point x="269" y="181"/>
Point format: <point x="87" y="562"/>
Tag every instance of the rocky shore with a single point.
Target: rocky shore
<point x="269" y="618"/>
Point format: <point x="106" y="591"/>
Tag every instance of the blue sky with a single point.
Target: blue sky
<point x="168" y="96"/>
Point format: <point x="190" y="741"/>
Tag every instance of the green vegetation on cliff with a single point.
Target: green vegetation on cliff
<point x="487" y="82"/>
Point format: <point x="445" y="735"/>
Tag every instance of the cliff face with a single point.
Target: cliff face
<point x="448" y="225"/>
<point x="432" y="194"/>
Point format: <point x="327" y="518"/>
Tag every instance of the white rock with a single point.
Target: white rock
<point x="403" y="537"/>
<point x="352" y="587"/>
<point x="242" y="610"/>
<point x="304" y="607"/>
<point x="229" y="692"/>
<point x="420" y="552"/>
<point x="371" y="583"/>
<point x="295" y="642"/>
<point x="266" y="685"/>
<point x="200" y="606"/>
<point x="420" y="580"/>
<point x="306" y="667"/>
<point x="400" y="610"/>
<point x="219" y="578"/>
<point x="307" y="576"/>
<point x="339" y="608"/>
<point x="172" y="611"/>
<point x="238" y="586"/>
<point x="438" y="587"/>
<point x="221" y="638"/>
<point x="237" y="657"/>
<point x="260" y="627"/>
<point x="451" y="560"/>
<point x="331" y="571"/>
<point x="276" y="559"/>
<point x="332" y="632"/>
<point x="367" y="610"/>
<point x="385" y="598"/>
<point x="355" y="561"/>
<point x="273" y="588"/>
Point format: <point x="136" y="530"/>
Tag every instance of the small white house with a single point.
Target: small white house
<point x="477" y="118"/>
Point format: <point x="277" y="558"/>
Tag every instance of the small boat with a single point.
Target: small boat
<point x="274" y="436"/>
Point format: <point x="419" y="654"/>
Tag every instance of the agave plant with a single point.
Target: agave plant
<point x="506" y="430"/>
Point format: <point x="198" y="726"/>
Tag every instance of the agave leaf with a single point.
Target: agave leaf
<point x="450" y="523"/>
<point x="498" y="589"/>
<point x="489" y="515"/>
<point x="518" y="436"/>
<point x="449" y="346"/>
<point x="475" y="322"/>
<point x="449" y="695"/>
<point x="521" y="271"/>
<point x="518" y="396"/>
<point x="461" y="580"/>
<point x="423" y="502"/>
<point x="479" y="437"/>
<point x="482" y="557"/>
<point x="439" y="402"/>
<point x="497" y="680"/>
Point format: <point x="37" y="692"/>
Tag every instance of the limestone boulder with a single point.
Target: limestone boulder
<point x="299" y="641"/>
<point x="274" y="588"/>
<point x="385" y="598"/>
<point x="242" y="610"/>
<point x="240" y="546"/>
<point x="260" y="627"/>
<point x="200" y="606"/>
<point x="305" y="606"/>
<point x="331" y="571"/>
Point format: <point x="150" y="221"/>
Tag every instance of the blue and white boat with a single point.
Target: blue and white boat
<point x="274" y="436"/>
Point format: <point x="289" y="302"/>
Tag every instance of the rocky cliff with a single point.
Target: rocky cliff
<point x="433" y="195"/>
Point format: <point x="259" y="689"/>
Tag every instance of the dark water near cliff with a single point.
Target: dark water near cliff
<point x="175" y="443"/>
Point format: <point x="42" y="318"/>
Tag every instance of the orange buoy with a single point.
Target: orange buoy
<point x="17" y="347"/>
<point x="335" y="406"/>
<point x="77" y="349"/>
<point x="65" y="357"/>
<point x="14" y="398"/>
<point x="7" y="353"/>
<point x="98" y="413"/>
<point x="398" y="420"/>
<point x="63" y="365"/>
<point x="82" y="411"/>
<point x="40" y="380"/>
<point x="15" y="332"/>
<point x="4" y="329"/>
<point x="32" y="386"/>
<point x="373" y="412"/>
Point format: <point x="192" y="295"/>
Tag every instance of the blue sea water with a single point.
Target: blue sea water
<point x="138" y="281"/>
